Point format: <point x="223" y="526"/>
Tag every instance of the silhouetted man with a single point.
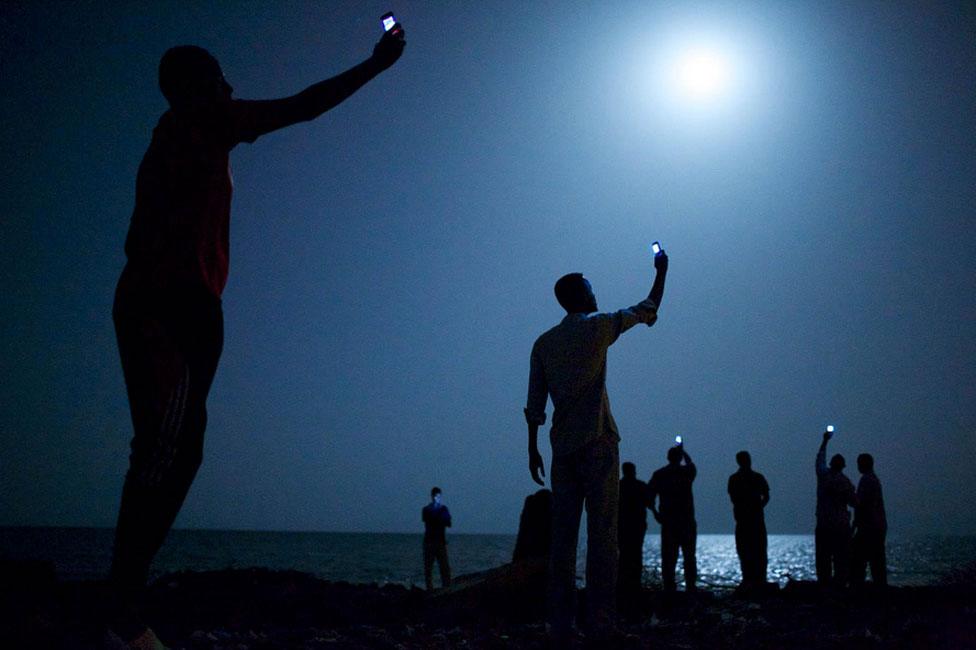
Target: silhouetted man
<point x="631" y="529"/>
<point x="167" y="312"/>
<point x="750" y="494"/>
<point x="569" y="364"/>
<point x="870" y="526"/>
<point x="436" y="518"/>
<point x="672" y="485"/>
<point x="835" y="493"/>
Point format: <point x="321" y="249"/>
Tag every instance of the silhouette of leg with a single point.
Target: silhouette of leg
<point x="742" y="549"/>
<point x="823" y="555"/>
<point x="444" y="566"/>
<point x="688" y="546"/>
<point x="859" y="559"/>
<point x="669" y="556"/>
<point x="567" y="508"/>
<point x="429" y="553"/>
<point x="762" y="554"/>
<point x="169" y="358"/>
<point x="842" y="555"/>
<point x="602" y="487"/>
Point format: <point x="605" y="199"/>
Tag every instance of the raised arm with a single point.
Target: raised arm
<point x="657" y="289"/>
<point x="255" y="118"/>
<point x="821" y="462"/>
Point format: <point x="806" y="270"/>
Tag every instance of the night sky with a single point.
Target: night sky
<point x="393" y="262"/>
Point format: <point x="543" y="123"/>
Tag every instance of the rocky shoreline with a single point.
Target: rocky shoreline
<point x="259" y="609"/>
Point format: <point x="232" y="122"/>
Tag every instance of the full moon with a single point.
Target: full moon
<point x="702" y="74"/>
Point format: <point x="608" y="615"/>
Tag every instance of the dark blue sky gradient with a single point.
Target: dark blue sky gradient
<point x="392" y="262"/>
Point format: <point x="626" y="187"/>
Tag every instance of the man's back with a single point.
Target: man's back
<point x="835" y="493"/>
<point x="569" y="364"/>
<point x="633" y="504"/>
<point x="869" y="514"/>
<point x="748" y="490"/>
<point x="673" y="485"/>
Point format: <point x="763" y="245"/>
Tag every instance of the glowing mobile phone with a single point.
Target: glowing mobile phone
<point x="656" y="248"/>
<point x="677" y="440"/>
<point x="388" y="21"/>
<point x="830" y="428"/>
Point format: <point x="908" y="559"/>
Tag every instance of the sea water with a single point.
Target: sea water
<point x="85" y="553"/>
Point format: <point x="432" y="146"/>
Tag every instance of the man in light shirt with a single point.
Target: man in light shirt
<point x="569" y="364"/>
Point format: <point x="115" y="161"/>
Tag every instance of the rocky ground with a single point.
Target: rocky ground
<point x="260" y="609"/>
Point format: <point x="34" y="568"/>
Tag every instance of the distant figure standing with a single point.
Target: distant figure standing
<point x="672" y="484"/>
<point x="750" y="494"/>
<point x="835" y="493"/>
<point x="569" y="363"/>
<point x="631" y="529"/>
<point x="870" y="526"/>
<point x="167" y="313"/>
<point x="436" y="518"/>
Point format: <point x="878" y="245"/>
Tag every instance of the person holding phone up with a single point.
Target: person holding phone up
<point x="569" y="364"/>
<point x="167" y="312"/>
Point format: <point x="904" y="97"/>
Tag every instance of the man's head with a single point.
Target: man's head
<point x="674" y="455"/>
<point x="629" y="470"/>
<point x="575" y="294"/>
<point x="837" y="463"/>
<point x="744" y="460"/>
<point x="435" y="494"/>
<point x="865" y="463"/>
<point x="190" y="79"/>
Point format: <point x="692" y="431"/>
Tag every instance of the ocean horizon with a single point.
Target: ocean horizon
<point x="395" y="558"/>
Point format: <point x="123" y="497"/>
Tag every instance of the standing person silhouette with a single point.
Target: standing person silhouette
<point x="569" y="364"/>
<point x="436" y="518"/>
<point x="749" y="493"/>
<point x="672" y="485"/>
<point x="870" y="526"/>
<point x="631" y="529"/>
<point x="832" y="538"/>
<point x="167" y="312"/>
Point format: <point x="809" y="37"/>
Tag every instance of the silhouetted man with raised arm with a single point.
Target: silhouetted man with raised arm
<point x="167" y="312"/>
<point x="679" y="530"/>
<point x="569" y="364"/>
<point x="436" y="518"/>
<point x="835" y="493"/>
<point x="631" y="529"/>
<point x="749" y="493"/>
<point x="870" y="526"/>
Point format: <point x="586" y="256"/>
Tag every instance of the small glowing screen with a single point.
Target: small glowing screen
<point x="388" y="23"/>
<point x="830" y="428"/>
<point x="656" y="248"/>
<point x="677" y="439"/>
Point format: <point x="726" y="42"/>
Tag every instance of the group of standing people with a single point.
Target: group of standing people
<point x="568" y="365"/>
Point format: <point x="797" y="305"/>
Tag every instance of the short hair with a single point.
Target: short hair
<point x="674" y="454"/>
<point x="182" y="68"/>
<point x="435" y="491"/>
<point x="837" y="462"/>
<point x="629" y="469"/>
<point x="570" y="290"/>
<point x="865" y="462"/>
<point x="743" y="459"/>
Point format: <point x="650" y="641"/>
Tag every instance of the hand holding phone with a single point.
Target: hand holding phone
<point x="391" y="44"/>
<point x="660" y="257"/>
<point x="678" y="441"/>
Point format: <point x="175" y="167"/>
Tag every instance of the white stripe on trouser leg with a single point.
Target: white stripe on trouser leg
<point x="167" y="442"/>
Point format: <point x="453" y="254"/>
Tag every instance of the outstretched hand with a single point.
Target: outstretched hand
<point x="390" y="47"/>
<point x="536" y="467"/>
<point x="661" y="262"/>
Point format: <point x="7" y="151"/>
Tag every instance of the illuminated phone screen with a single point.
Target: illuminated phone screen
<point x="655" y="248"/>
<point x="388" y="22"/>
<point x="830" y="428"/>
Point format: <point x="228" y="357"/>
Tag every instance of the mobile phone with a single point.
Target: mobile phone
<point x="656" y="248"/>
<point x="830" y="428"/>
<point x="677" y="440"/>
<point x="388" y="21"/>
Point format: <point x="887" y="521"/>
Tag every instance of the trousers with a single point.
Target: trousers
<point x="586" y="477"/>
<point x="169" y="344"/>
